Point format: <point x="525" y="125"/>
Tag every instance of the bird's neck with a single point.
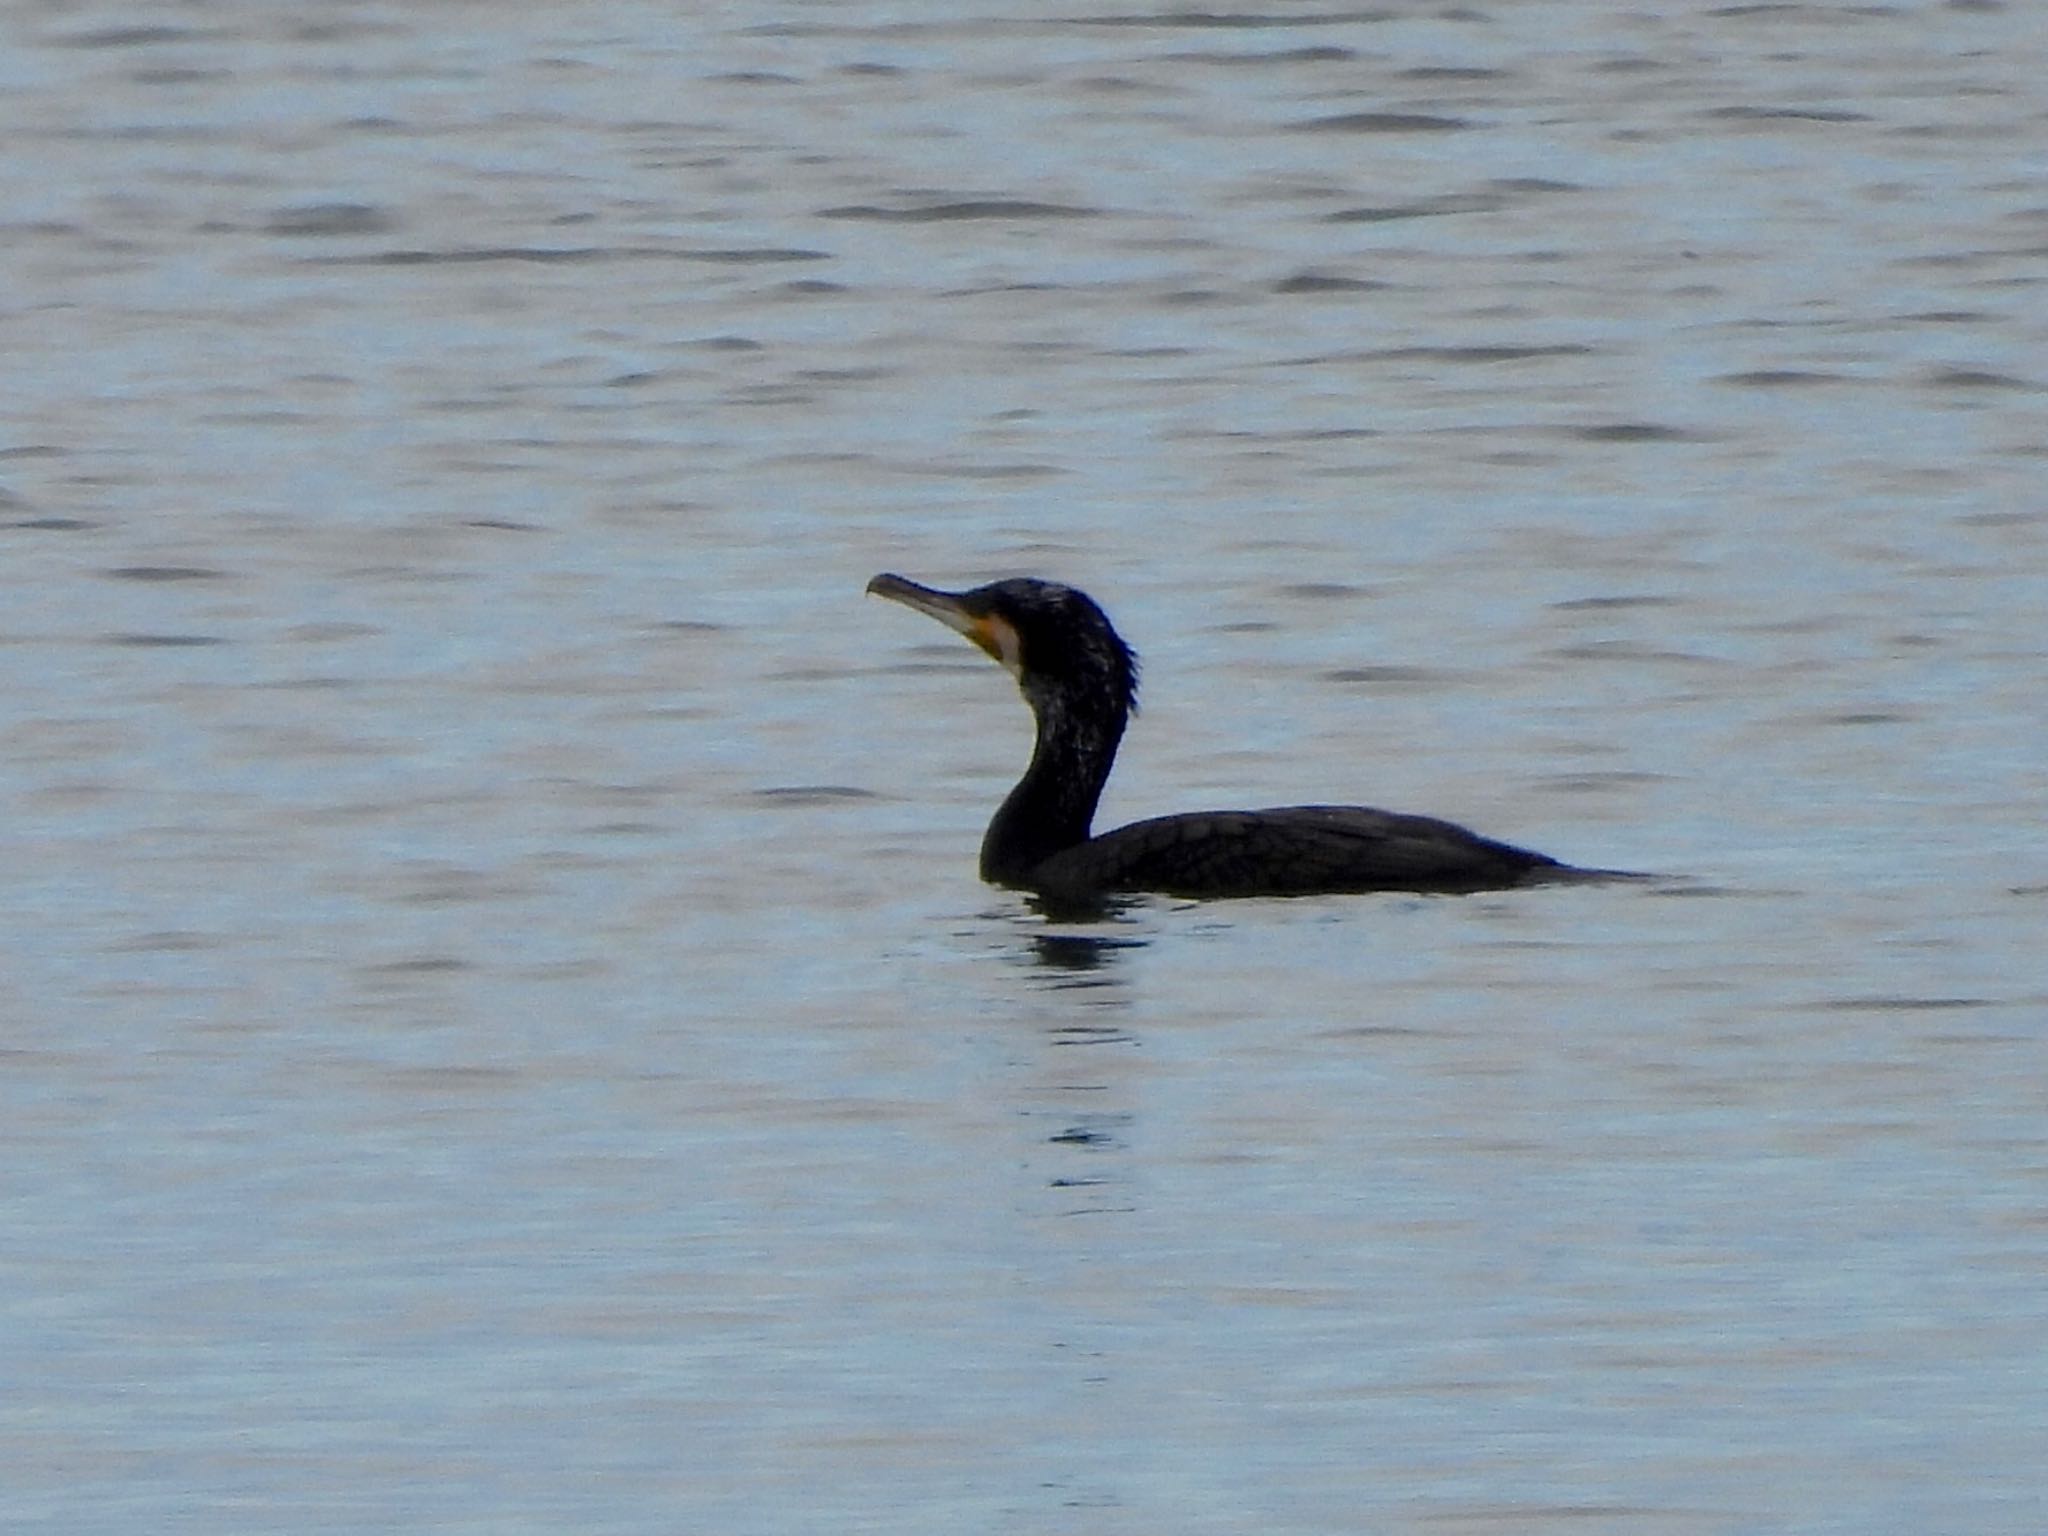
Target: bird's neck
<point x="1053" y="805"/>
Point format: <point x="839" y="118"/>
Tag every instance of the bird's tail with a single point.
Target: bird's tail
<point x="1572" y="874"/>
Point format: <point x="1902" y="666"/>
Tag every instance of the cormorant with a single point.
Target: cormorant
<point x="1081" y="681"/>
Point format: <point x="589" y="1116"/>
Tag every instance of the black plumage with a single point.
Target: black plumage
<point x="1081" y="681"/>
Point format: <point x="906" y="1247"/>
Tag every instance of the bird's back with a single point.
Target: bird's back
<point x="1296" y="850"/>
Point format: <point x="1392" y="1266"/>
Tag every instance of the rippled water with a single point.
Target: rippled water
<point x="502" y="1032"/>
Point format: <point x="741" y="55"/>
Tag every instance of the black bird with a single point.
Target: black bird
<point x="1081" y="681"/>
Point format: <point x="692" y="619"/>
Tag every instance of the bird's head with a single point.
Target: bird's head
<point x="1052" y="638"/>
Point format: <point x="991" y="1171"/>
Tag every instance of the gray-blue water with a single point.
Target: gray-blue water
<point x="499" y="1031"/>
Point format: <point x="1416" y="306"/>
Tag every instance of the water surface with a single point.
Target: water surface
<point x="502" y="1032"/>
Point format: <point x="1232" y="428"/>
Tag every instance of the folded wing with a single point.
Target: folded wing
<point x="1290" y="851"/>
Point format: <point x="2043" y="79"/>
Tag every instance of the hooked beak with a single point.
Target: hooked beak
<point x="993" y="633"/>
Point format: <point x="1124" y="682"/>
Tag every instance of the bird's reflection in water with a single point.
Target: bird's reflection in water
<point x="1081" y="954"/>
<point x="1088" y="969"/>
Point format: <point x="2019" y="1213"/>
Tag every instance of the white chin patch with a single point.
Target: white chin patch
<point x="1007" y="648"/>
